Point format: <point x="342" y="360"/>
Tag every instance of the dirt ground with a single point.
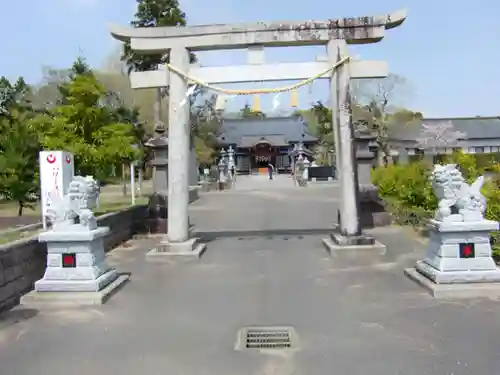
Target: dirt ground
<point x="15" y="221"/>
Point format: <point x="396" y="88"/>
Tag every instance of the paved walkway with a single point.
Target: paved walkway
<point x="264" y="266"/>
<point x="280" y="181"/>
<point x="262" y="182"/>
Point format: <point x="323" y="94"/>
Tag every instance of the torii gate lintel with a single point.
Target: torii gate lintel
<point x="354" y="30"/>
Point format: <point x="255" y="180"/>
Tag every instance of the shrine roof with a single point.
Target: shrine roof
<point x="473" y="127"/>
<point x="283" y="130"/>
<point x="273" y="140"/>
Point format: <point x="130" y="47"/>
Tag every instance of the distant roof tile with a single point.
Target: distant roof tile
<point x="290" y="129"/>
<point x="273" y="140"/>
<point x="474" y="127"/>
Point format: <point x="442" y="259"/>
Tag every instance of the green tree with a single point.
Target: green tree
<point x="142" y="99"/>
<point x="79" y="68"/>
<point x="19" y="146"/>
<point x="248" y="112"/>
<point x="153" y="13"/>
<point x="14" y="98"/>
<point x="86" y="125"/>
<point x="319" y="121"/>
<point x="381" y="103"/>
<point x="205" y="126"/>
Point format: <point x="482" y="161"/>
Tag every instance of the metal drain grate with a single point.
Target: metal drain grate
<point x="266" y="338"/>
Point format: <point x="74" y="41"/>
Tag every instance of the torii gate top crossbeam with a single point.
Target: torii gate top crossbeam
<point x="355" y="30"/>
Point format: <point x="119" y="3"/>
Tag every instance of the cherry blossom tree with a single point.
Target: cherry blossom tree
<point x="440" y="135"/>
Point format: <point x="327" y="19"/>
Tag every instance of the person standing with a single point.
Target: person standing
<point x="270" y="170"/>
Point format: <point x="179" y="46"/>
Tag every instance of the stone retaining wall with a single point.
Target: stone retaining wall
<point x="23" y="262"/>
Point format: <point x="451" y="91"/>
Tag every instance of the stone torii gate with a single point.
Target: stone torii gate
<point x="336" y="34"/>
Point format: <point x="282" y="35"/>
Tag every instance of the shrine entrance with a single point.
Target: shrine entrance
<point x="337" y="66"/>
<point x="261" y="155"/>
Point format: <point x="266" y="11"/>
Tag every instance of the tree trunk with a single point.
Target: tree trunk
<point x="140" y="178"/>
<point x="20" y="208"/>
<point x="124" y="189"/>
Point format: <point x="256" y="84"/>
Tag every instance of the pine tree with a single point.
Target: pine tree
<point x="154" y="13"/>
<point x="79" y="68"/>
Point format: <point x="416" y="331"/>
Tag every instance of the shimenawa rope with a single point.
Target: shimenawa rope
<point x="256" y="91"/>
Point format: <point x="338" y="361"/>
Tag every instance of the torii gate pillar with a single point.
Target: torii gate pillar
<point x="180" y="156"/>
<point x="340" y="94"/>
<point x="178" y="150"/>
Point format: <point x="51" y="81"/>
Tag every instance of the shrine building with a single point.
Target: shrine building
<point x="258" y="142"/>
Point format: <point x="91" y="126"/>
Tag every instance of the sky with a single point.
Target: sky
<point x="447" y="50"/>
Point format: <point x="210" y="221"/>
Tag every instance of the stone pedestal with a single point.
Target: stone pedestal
<point x="458" y="255"/>
<point x="186" y="251"/>
<point x="157" y="207"/>
<point x="77" y="271"/>
<point x="362" y="250"/>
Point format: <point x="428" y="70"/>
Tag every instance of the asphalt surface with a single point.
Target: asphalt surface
<point x="264" y="265"/>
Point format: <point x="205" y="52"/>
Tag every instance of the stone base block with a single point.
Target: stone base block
<point x="360" y="253"/>
<point x="459" y="252"/>
<point x="321" y="179"/>
<point x="372" y="210"/>
<point x="450" y="291"/>
<point x="51" y="285"/>
<point x="348" y="241"/>
<point x="37" y="299"/>
<point x="457" y="277"/>
<point x="190" y="250"/>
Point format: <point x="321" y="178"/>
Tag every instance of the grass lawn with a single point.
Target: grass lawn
<point x="107" y="205"/>
<point x="17" y="235"/>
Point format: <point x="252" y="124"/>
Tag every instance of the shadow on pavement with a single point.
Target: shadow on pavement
<point x="15" y="316"/>
<point x="212" y="236"/>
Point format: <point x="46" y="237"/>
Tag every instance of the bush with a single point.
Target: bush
<point x="408" y="195"/>
<point x="407" y="191"/>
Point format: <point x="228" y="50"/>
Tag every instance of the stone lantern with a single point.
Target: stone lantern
<point x="223" y="169"/>
<point x="300" y="150"/>
<point x="371" y="208"/>
<point x="230" y="156"/>
<point x="157" y="208"/>
<point x="305" y="174"/>
<point x="365" y="156"/>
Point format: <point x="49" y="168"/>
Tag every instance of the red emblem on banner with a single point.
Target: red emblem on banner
<point x="51" y="159"/>
<point x="68" y="160"/>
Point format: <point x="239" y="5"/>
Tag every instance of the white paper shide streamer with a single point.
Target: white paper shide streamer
<point x="189" y="92"/>
<point x="222" y="100"/>
<point x="276" y="102"/>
